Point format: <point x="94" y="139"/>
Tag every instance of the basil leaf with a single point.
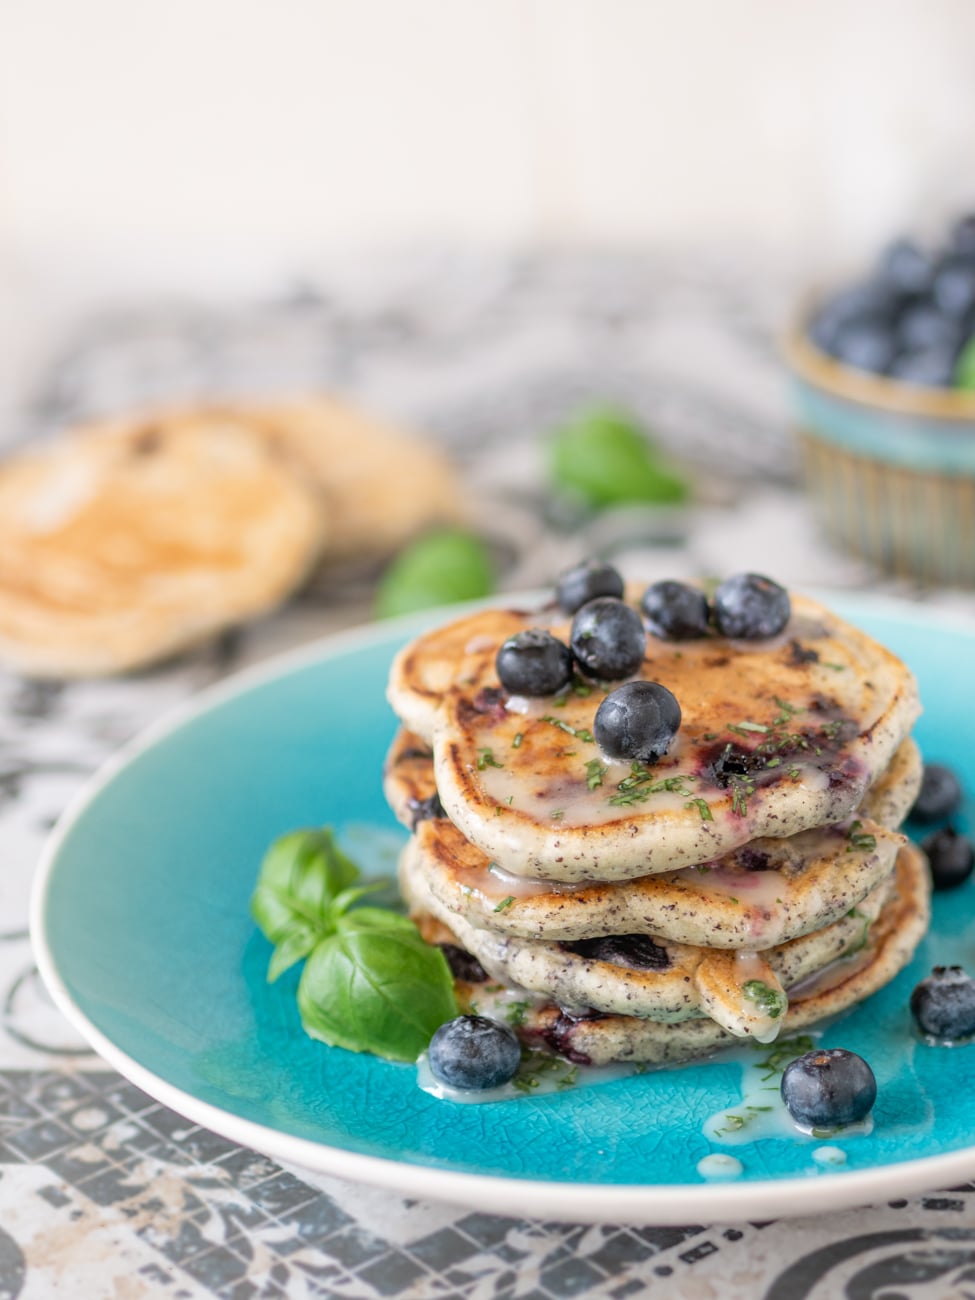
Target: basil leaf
<point x="604" y="458"/>
<point x="295" y="946"/>
<point x="301" y="875"/>
<point x="439" y="569"/>
<point x="349" y="897"/>
<point x="375" y="918"/>
<point x="376" y="990"/>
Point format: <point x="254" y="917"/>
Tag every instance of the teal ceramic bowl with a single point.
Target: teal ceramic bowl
<point x="890" y="467"/>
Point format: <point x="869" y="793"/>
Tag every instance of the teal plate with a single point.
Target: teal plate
<point x="141" y="928"/>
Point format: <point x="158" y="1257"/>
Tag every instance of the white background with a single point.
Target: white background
<point x="218" y="147"/>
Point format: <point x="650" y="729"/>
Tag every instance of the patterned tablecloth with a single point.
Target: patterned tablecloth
<point x="103" y="1192"/>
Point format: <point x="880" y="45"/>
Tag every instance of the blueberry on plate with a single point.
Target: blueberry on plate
<point x="828" y="1088"/>
<point x="637" y="721"/>
<point x="943" y="1005"/>
<point x="675" y="611"/>
<point x="608" y="639"/>
<point x="951" y="857"/>
<point x="473" y="1052"/>
<point x="750" y="607"/>
<point x="534" y="663"/>
<point x="584" y="582"/>
<point x="939" y="795"/>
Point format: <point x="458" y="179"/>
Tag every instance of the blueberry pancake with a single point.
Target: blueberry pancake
<point x="634" y="975"/>
<point x="761" y="894"/>
<point x="590" y="1037"/>
<point x="773" y="736"/>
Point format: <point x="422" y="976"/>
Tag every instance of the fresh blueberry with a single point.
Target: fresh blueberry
<point x="963" y="235"/>
<point x="474" y="1053"/>
<point x="584" y="582"/>
<point x="750" y="607"/>
<point x="951" y="857"/>
<point x="828" y="1088"/>
<point x="534" y="663"/>
<point x="608" y="639"/>
<point x="922" y="326"/>
<point x="675" y="611"/>
<point x="954" y="285"/>
<point x="930" y="368"/>
<point x="637" y="721"/>
<point x="866" y="344"/>
<point x="870" y="299"/>
<point x="906" y="267"/>
<point x="943" y="1005"/>
<point x="939" y="795"/>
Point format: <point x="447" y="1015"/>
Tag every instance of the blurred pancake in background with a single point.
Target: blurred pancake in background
<point x="128" y="540"/>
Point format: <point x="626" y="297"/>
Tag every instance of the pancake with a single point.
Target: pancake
<point x="757" y="896"/>
<point x="130" y="540"/>
<point x="744" y="992"/>
<point x="360" y="466"/>
<point x="777" y="737"/>
<point x="600" y="1040"/>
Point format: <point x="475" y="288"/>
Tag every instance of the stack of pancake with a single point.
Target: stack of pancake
<point x="750" y="882"/>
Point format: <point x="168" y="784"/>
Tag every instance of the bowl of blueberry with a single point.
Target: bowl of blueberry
<point x="884" y="381"/>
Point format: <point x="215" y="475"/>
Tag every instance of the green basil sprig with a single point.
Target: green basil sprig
<point x="370" y="983"/>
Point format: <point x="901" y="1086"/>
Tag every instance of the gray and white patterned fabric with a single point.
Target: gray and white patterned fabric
<point x="103" y="1192"/>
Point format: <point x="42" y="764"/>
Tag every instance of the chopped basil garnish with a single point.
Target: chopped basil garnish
<point x="768" y="1000"/>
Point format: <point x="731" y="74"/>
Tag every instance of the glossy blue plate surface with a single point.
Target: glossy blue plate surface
<point x="142" y="931"/>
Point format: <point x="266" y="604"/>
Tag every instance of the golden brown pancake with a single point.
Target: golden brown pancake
<point x="777" y="737"/>
<point x="601" y="1039"/>
<point x="756" y="896"/>
<point x="633" y="975"/>
<point x="130" y="540"/>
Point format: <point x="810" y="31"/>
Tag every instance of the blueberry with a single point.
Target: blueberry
<point x="473" y="1052"/>
<point x="634" y="951"/>
<point x="906" y="267"/>
<point x="534" y="663"/>
<point x="608" y="639"/>
<point x="750" y="607"/>
<point x="828" y="1088"/>
<point x="422" y="810"/>
<point x="866" y="344"/>
<point x="675" y="611"/>
<point x="963" y="235"/>
<point x="954" y="285"/>
<point x="463" y="966"/>
<point x="951" y="857"/>
<point x="637" y="721"/>
<point x="939" y="795"/>
<point x="871" y="299"/>
<point x="930" y="368"/>
<point x="943" y="1005"/>
<point x="586" y="581"/>
<point x="923" y="326"/>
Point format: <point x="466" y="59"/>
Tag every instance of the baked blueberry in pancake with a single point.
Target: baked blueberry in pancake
<point x="758" y="895"/>
<point x="592" y="1037"/>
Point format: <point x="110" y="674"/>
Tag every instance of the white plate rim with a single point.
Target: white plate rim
<point x="659" y="1203"/>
